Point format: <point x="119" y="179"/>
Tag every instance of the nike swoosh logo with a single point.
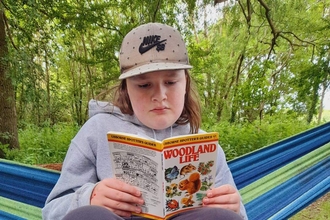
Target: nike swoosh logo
<point x="143" y="49"/>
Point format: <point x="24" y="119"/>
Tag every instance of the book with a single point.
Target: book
<point x="173" y="175"/>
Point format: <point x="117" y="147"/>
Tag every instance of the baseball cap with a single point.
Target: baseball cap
<point x="152" y="47"/>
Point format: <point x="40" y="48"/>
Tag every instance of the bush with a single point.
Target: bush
<point x="47" y="144"/>
<point x="240" y="139"/>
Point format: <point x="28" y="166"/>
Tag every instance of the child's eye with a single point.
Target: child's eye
<point x="170" y="82"/>
<point x="144" y="85"/>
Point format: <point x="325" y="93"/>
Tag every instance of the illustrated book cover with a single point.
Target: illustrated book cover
<point x="173" y="175"/>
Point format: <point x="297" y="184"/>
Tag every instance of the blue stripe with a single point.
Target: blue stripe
<point x="7" y="216"/>
<point x="26" y="184"/>
<point x="313" y="194"/>
<point x="279" y="197"/>
<point x="255" y="165"/>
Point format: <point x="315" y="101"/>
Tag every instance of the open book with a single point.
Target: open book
<point x="173" y="175"/>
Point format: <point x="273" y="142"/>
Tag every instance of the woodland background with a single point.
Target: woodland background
<point x="261" y="67"/>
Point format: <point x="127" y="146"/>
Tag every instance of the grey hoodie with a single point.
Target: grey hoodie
<point x="87" y="160"/>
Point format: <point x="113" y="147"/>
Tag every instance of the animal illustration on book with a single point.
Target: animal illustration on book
<point x="192" y="184"/>
<point x="193" y="178"/>
<point x="187" y="201"/>
<point x="171" y="173"/>
<point x="172" y="205"/>
<point x="187" y="169"/>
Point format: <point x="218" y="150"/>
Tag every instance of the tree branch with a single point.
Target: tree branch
<point x="155" y="12"/>
<point x="218" y="1"/>
<point x="276" y="33"/>
<point x="8" y="31"/>
<point x="271" y="25"/>
<point x="247" y="15"/>
<point x="301" y="40"/>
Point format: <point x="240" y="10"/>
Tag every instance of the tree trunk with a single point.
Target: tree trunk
<point x="8" y="117"/>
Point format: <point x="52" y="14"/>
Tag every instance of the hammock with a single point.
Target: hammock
<point x="275" y="182"/>
<point x="278" y="181"/>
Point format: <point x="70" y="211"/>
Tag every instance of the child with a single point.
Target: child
<point x="155" y="99"/>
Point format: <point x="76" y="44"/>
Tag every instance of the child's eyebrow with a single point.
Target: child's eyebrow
<point x="171" y="74"/>
<point x="144" y="77"/>
<point x="139" y="77"/>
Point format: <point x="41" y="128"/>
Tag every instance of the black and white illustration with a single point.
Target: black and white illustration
<point x="137" y="170"/>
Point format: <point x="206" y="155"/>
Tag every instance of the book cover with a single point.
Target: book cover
<point x="173" y="175"/>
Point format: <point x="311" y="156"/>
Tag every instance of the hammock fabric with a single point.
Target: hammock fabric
<point x="275" y="182"/>
<point x="279" y="180"/>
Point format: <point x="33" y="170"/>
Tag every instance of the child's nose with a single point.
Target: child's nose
<point x="159" y="93"/>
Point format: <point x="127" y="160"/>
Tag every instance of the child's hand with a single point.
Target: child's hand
<point x="117" y="196"/>
<point x="225" y="196"/>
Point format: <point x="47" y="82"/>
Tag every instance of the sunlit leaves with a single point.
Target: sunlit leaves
<point x="65" y="52"/>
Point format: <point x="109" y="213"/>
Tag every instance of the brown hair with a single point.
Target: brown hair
<point x="191" y="112"/>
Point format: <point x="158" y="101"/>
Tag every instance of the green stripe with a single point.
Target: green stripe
<point x="283" y="174"/>
<point x="20" y="209"/>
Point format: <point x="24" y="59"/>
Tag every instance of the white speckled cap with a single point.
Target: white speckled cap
<point x="152" y="47"/>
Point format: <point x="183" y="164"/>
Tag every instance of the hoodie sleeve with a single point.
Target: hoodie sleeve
<point x="77" y="180"/>
<point x="224" y="176"/>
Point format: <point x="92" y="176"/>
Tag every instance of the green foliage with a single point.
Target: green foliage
<point x="5" y="135"/>
<point x="48" y="144"/>
<point x="248" y="66"/>
<point x="239" y="139"/>
<point x="326" y="115"/>
<point x="67" y="53"/>
<point x="41" y="145"/>
<point x="251" y="70"/>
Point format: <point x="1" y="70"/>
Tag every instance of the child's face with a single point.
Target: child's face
<point x="157" y="98"/>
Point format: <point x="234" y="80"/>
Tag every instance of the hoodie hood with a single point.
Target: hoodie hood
<point x="98" y="107"/>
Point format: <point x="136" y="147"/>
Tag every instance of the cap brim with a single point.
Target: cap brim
<point x="151" y="67"/>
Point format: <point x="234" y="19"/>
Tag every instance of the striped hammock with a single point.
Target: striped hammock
<point x="275" y="182"/>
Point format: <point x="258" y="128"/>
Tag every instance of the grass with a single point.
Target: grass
<point x="326" y="115"/>
<point x="319" y="210"/>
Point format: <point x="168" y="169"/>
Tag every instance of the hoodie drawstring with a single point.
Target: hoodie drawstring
<point x="155" y="136"/>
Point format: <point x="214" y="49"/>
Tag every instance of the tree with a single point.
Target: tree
<point x="249" y="61"/>
<point x="282" y="39"/>
<point x="8" y="117"/>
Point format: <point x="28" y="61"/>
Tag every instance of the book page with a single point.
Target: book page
<point x="189" y="169"/>
<point x="137" y="162"/>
